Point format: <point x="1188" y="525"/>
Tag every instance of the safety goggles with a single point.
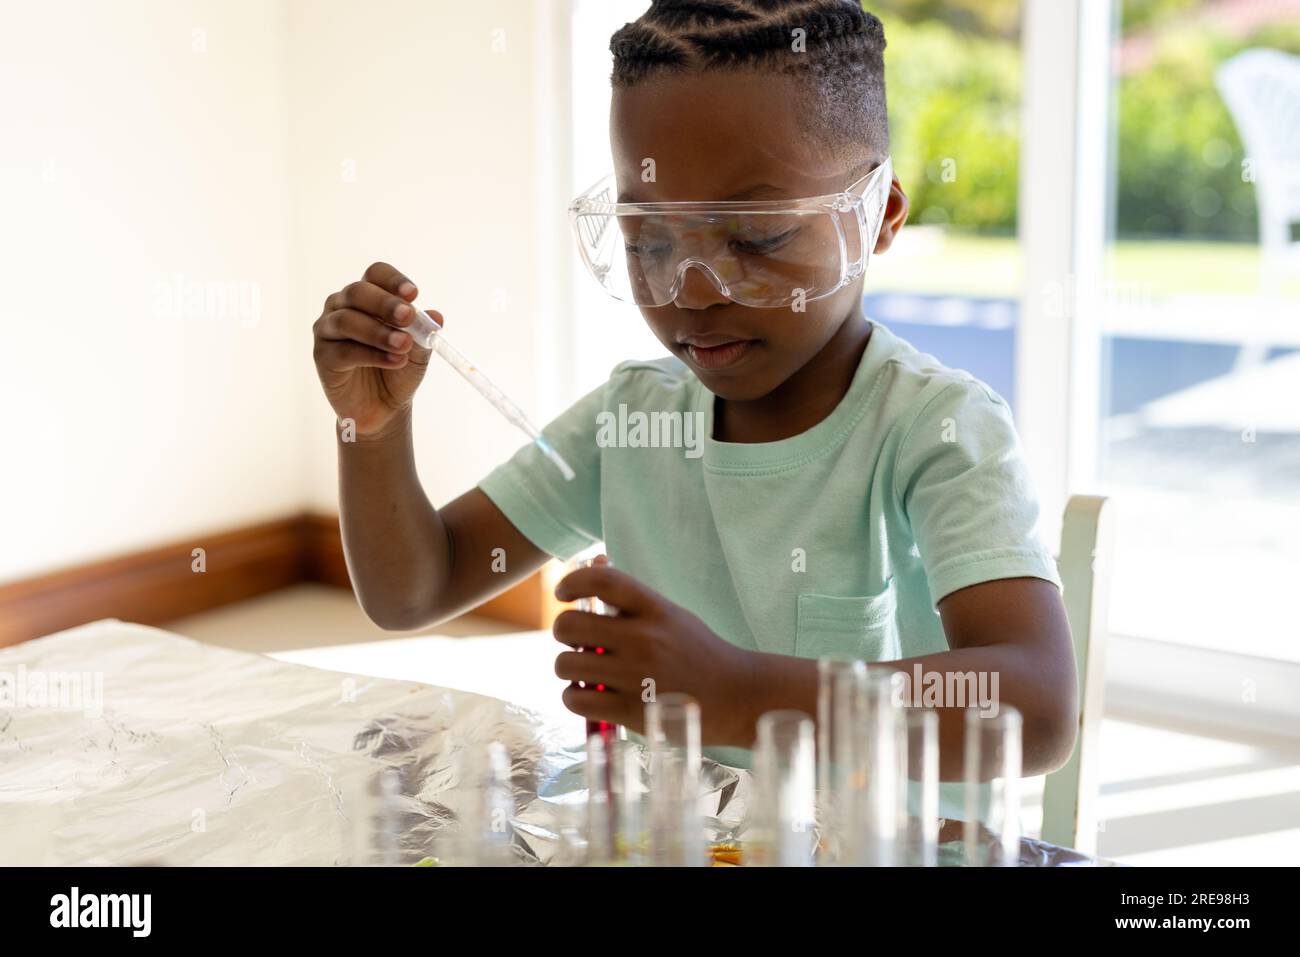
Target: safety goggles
<point x="764" y="254"/>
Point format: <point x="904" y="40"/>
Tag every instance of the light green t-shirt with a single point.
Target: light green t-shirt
<point x="839" y="540"/>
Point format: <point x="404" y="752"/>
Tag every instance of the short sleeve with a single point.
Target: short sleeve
<point x="559" y="516"/>
<point x="966" y="491"/>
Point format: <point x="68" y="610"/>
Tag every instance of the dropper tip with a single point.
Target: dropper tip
<point x="549" y="451"/>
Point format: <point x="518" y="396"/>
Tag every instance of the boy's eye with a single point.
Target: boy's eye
<point x="648" y="248"/>
<point x="656" y="244"/>
<point x="764" y="246"/>
<point x="647" y="238"/>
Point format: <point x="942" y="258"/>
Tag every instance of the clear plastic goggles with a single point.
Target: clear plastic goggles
<point x="763" y="254"/>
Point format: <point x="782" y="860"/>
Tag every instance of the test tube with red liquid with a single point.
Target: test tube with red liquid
<point x="606" y="729"/>
<point x="601" y="752"/>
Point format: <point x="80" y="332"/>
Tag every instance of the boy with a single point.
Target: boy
<point x="852" y="496"/>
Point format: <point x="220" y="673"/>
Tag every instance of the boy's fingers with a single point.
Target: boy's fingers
<point x="609" y="584"/>
<point x="343" y="356"/>
<point x="583" y="629"/>
<point x="390" y="278"/>
<point x="351" y="325"/>
<point x="437" y="317"/>
<point x="595" y="705"/>
<point x="369" y="298"/>
<point x="592" y="668"/>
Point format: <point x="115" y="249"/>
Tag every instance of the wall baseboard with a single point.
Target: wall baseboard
<point x="530" y="604"/>
<point x="159" y="585"/>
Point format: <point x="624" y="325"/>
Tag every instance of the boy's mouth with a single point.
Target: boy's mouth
<point x="716" y="352"/>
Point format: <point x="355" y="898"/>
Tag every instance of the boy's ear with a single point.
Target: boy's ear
<point x="895" y="216"/>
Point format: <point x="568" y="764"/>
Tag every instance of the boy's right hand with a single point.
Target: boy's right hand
<point x="368" y="365"/>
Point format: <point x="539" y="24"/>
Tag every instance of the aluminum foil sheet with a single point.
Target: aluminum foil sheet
<point x="122" y="744"/>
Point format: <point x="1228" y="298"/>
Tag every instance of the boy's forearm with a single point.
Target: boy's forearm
<point x="396" y="544"/>
<point x="781" y="681"/>
<point x="1049" y="717"/>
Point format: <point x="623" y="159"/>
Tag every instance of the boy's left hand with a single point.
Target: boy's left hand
<point x="650" y="648"/>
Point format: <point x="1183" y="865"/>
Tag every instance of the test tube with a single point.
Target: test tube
<point x="991" y="830"/>
<point x="572" y="838"/>
<point x="372" y="818"/>
<point x="863" y="770"/>
<point x="921" y="838"/>
<point x="631" y="827"/>
<point x="482" y="834"/>
<point x="600" y="828"/>
<point x="602" y="737"/>
<point x="616" y="825"/>
<point x="783" y="828"/>
<point x="884" y="748"/>
<point x="596" y="607"/>
<point x="677" y="828"/>
<point x="841" y="690"/>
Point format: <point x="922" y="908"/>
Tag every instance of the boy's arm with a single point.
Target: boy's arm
<point x="1015" y="627"/>
<point x="413" y="565"/>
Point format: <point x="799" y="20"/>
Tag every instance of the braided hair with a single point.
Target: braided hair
<point x="841" y="61"/>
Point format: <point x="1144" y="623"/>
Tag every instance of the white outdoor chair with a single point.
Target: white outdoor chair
<point x="1070" y="793"/>
<point x="1262" y="90"/>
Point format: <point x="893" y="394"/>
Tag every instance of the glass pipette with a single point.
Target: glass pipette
<point x="429" y="334"/>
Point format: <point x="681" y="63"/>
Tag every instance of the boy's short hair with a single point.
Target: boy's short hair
<point x="841" y="59"/>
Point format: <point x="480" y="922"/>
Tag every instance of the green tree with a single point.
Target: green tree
<point x="984" y="18"/>
<point x="954" y="113"/>
<point x="953" y="75"/>
<point x="1180" y="156"/>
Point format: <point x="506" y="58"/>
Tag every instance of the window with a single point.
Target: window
<point x="950" y="284"/>
<point x="1199" y="413"/>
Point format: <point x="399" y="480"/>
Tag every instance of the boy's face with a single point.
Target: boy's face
<point x="718" y="137"/>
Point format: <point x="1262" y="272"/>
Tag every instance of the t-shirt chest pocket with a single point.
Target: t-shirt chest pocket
<point x="862" y="627"/>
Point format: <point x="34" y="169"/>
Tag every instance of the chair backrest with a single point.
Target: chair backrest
<point x="1070" y="793"/>
<point x="1262" y="90"/>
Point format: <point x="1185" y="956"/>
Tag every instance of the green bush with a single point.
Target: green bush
<point x="954" y="107"/>
<point x="1180" y="157"/>
<point x="955" y="110"/>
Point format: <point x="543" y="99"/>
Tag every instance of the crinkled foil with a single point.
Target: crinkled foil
<point x="193" y="754"/>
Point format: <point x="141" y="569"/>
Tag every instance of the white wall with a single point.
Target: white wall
<point x="415" y="134"/>
<point x="153" y="149"/>
<point x="606" y="331"/>
<point x="143" y="141"/>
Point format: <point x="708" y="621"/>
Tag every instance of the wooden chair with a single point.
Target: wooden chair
<point x="1070" y="793"/>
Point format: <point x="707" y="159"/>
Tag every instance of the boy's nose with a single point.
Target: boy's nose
<point x="698" y="288"/>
